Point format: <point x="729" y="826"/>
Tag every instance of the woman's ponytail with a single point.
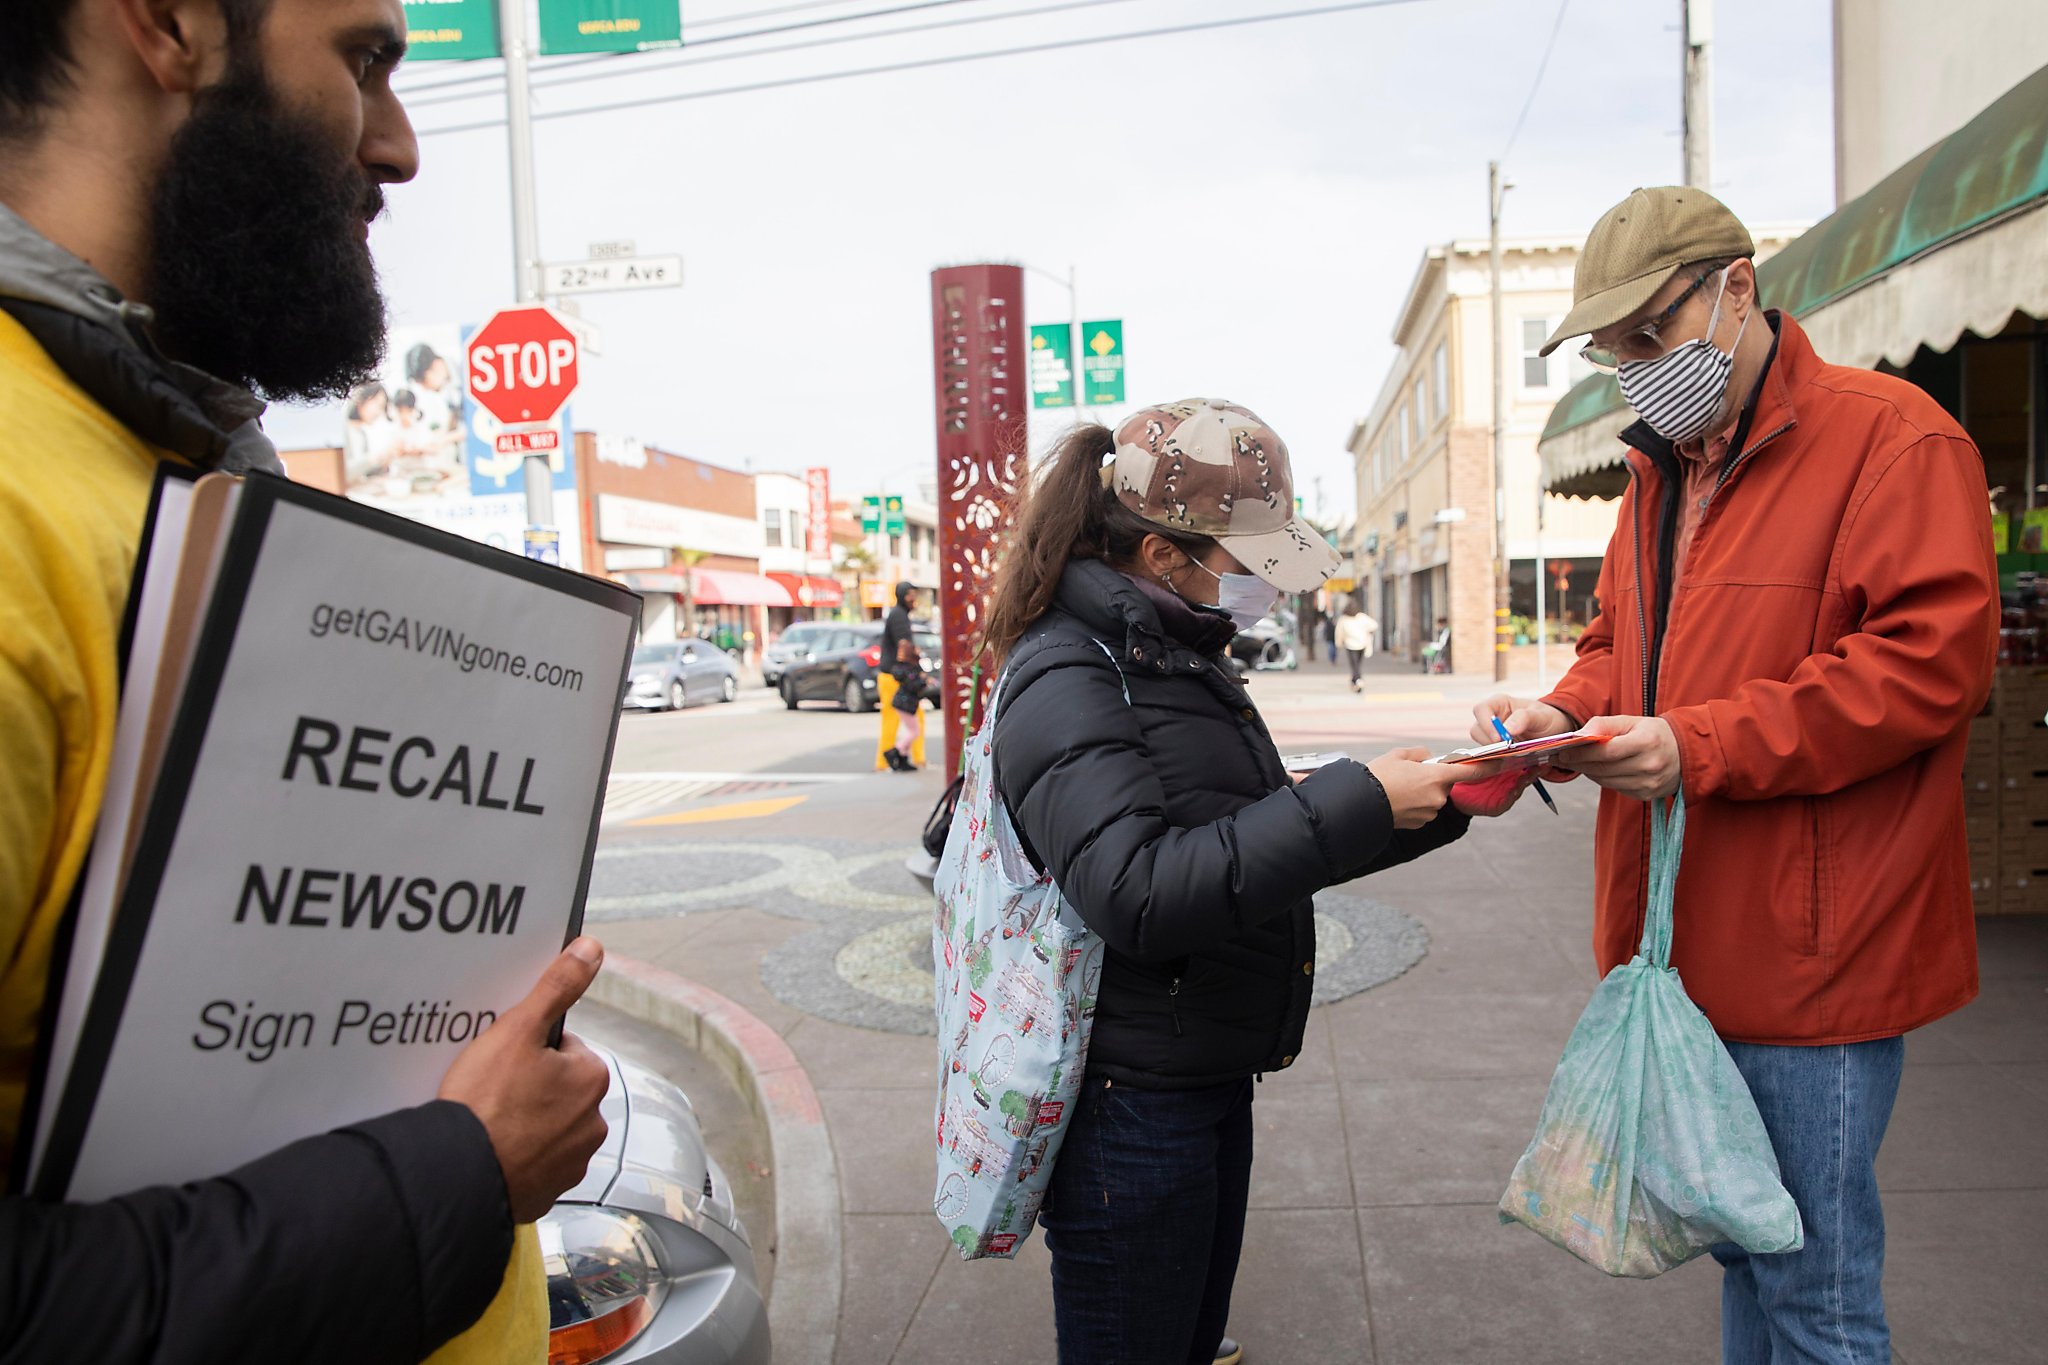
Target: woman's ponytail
<point x="1065" y="512"/>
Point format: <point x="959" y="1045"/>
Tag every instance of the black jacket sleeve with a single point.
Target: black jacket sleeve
<point x="1072" y="768"/>
<point x="373" y="1243"/>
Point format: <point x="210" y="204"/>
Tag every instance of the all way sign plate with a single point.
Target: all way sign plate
<point x="528" y="441"/>
<point x="600" y="276"/>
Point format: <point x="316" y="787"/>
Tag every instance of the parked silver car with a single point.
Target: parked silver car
<point x="647" y="1260"/>
<point x="679" y="673"/>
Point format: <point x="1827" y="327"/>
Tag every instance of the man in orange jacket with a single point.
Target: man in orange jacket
<point x="1799" y="615"/>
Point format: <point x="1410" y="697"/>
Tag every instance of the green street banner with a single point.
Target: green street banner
<point x="609" y="25"/>
<point x="1052" y="366"/>
<point x="450" y="30"/>
<point x="1102" y="363"/>
<point x="894" y="507"/>
<point x="870" y="515"/>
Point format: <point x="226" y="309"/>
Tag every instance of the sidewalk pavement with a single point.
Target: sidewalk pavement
<point x="1382" y="1151"/>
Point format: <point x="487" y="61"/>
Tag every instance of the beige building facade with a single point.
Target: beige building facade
<point x="1423" y="456"/>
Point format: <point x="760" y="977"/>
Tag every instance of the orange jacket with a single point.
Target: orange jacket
<point x="1826" y="642"/>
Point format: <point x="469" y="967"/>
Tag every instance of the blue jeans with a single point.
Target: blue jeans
<point x="1145" y="1219"/>
<point x="1826" y="1109"/>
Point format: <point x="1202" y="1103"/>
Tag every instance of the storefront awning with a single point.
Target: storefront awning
<point x="726" y="588"/>
<point x="1954" y="241"/>
<point x="809" y="590"/>
<point x="715" y="588"/>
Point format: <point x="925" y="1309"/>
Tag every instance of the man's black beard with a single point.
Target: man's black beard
<point x="259" y="271"/>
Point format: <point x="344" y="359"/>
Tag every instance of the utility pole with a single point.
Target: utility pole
<point x="1495" y="192"/>
<point x="539" y="475"/>
<point x="1698" y="24"/>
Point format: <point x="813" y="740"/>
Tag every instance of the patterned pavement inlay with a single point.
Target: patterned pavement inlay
<point x="868" y="963"/>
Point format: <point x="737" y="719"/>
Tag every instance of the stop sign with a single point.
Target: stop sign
<point x="522" y="365"/>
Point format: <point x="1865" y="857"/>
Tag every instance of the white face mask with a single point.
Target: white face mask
<point x="1244" y="597"/>
<point x="1679" y="392"/>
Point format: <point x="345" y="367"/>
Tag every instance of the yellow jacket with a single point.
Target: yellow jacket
<point x="74" y="488"/>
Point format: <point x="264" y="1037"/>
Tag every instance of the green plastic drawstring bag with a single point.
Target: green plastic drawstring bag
<point x="1650" y="1149"/>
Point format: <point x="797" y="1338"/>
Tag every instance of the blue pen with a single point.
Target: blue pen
<point x="1502" y="731"/>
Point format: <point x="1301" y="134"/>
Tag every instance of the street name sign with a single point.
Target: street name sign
<point x="602" y="274"/>
<point x="1102" y="363"/>
<point x="522" y="365"/>
<point x="450" y="30"/>
<point x="1052" y="368"/>
<point x="609" y="25"/>
<point x="870" y="515"/>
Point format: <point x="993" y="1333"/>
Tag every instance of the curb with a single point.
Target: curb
<point x="803" y="1304"/>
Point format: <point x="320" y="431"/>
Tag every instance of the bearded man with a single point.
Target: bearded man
<point x="186" y="189"/>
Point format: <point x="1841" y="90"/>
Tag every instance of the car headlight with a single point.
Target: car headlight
<point x="605" y="1281"/>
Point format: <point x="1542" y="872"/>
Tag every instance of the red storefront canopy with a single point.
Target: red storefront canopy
<point x="727" y="588"/>
<point x="808" y="590"/>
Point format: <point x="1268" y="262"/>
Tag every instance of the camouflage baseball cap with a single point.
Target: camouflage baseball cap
<point x="1211" y="467"/>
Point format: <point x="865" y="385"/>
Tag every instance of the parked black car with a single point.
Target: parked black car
<point x="845" y="666"/>
<point x="797" y="643"/>
<point x="677" y="673"/>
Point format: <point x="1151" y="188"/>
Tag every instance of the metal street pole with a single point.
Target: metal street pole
<point x="1542" y="612"/>
<point x="1074" y="344"/>
<point x="1697" y="24"/>
<point x="1494" y="192"/>
<point x="539" y="475"/>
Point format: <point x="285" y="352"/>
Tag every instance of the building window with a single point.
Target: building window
<point x="796" y="529"/>
<point x="1535" y="368"/>
<point x="896" y="547"/>
<point x="771" y="527"/>
<point x="1440" y="376"/>
<point x="1401" y="437"/>
<point x="1420" y="409"/>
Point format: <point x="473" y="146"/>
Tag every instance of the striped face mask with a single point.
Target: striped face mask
<point x="1679" y="392"/>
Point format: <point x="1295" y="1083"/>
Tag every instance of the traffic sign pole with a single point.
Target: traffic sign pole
<point x="539" y="476"/>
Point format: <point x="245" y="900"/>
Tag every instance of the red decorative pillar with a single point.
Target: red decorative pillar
<point x="979" y="363"/>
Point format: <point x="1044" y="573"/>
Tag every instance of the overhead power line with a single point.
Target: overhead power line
<point x="926" y="63"/>
<point x="653" y="67"/>
<point x="1537" y="84"/>
<point x="610" y="58"/>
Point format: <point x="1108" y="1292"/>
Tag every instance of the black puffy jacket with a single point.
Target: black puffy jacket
<point x="1170" y="825"/>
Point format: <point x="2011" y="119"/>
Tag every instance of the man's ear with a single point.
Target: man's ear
<point x="182" y="44"/>
<point x="1742" y="281"/>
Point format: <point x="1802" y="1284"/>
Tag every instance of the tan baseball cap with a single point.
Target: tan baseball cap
<point x="1211" y="467"/>
<point x="1639" y="244"/>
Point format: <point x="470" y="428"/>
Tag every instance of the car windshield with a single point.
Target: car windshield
<point x="654" y="654"/>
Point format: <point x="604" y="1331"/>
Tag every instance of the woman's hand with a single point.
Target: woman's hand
<point x="1416" y="789"/>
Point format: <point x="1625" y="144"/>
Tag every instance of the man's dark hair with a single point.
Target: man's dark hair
<point x="35" y="60"/>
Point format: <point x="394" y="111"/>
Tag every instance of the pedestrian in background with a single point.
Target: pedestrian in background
<point x="185" y="198"/>
<point x="1800" y="613"/>
<point x="1355" y="631"/>
<point x="1142" y="777"/>
<point x="901" y="658"/>
<point x="1330" y="637"/>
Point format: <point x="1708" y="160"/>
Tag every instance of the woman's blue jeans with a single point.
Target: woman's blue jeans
<point x="1144" y="1218"/>
<point x="1826" y="1109"/>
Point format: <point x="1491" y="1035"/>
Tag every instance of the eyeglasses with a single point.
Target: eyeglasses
<point x="1641" y="339"/>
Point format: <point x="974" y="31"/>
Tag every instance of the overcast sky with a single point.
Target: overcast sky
<point x="1251" y="201"/>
